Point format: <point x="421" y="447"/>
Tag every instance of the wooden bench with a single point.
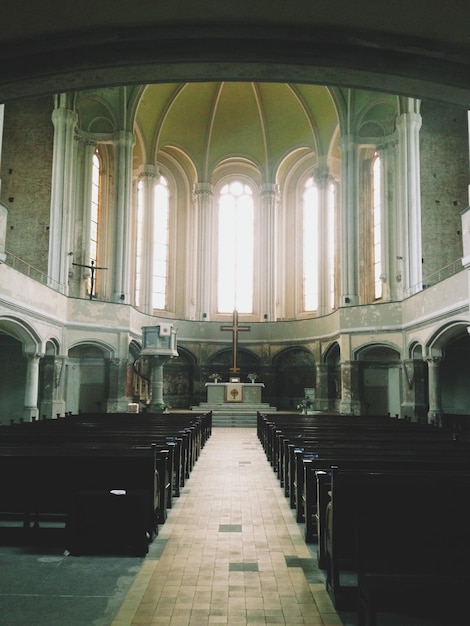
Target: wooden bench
<point x="410" y="527"/>
<point x="49" y="462"/>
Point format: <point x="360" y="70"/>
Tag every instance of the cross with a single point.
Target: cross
<point x="92" y="267"/>
<point x="235" y="329"/>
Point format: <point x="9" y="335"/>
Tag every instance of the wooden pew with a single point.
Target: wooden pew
<point x="49" y="462"/>
<point x="43" y="480"/>
<point x="410" y="526"/>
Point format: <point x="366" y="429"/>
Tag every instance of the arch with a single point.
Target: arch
<point x="352" y="52"/>
<point x="443" y="335"/>
<point x="380" y="379"/>
<point x="23" y="332"/>
<point x="294" y="371"/>
<point x="378" y="352"/>
<point x="92" y="347"/>
<point x="222" y="361"/>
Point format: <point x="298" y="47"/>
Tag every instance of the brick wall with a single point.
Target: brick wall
<point x="444" y="183"/>
<point x="26" y="170"/>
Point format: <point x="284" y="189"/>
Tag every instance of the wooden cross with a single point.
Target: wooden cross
<point x="235" y="329"/>
<point x="92" y="267"/>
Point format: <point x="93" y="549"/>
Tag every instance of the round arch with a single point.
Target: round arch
<point x="23" y="332"/>
<point x="294" y="372"/>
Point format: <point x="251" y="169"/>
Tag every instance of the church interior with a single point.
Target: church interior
<point x="280" y="191"/>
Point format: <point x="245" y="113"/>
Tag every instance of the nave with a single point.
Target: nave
<point x="230" y="552"/>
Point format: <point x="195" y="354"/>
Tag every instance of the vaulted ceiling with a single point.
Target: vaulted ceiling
<point x="412" y="48"/>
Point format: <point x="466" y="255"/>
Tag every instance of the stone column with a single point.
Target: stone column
<point x="413" y="406"/>
<point x="117" y="385"/>
<point x="3" y="209"/>
<point x="60" y="224"/>
<point x="434" y="383"/>
<point x="30" y="411"/>
<point x="322" y="400"/>
<point x="268" y="294"/>
<point x="202" y="198"/>
<point x="409" y="226"/>
<point x="156" y="365"/>
<point x="52" y="386"/>
<point x="124" y="143"/>
<point x="322" y="179"/>
<point x="350" y="403"/>
<point x="3" y="231"/>
<point x="349" y="220"/>
<point x="149" y="179"/>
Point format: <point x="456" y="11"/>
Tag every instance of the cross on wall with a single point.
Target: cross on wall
<point x="235" y="328"/>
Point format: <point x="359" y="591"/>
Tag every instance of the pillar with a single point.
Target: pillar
<point x="349" y="221"/>
<point x="60" y="224"/>
<point x="52" y="386"/>
<point x="435" y="407"/>
<point x="124" y="143"/>
<point x="268" y="296"/>
<point x="118" y="396"/>
<point x="3" y="209"/>
<point x="202" y="198"/>
<point x="414" y="404"/>
<point x="322" y="180"/>
<point x="322" y="401"/>
<point x="157" y="403"/>
<point x="30" y="411"/>
<point x="409" y="217"/>
<point x="350" y="403"/>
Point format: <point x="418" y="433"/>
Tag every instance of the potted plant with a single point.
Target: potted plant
<point x="304" y="405"/>
<point x="215" y="377"/>
<point x="252" y="377"/>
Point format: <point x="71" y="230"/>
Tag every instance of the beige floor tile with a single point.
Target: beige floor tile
<point x="227" y="537"/>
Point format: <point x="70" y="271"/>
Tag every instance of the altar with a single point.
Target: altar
<point x="245" y="393"/>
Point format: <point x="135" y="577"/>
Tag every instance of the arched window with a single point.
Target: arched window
<point x="94" y="220"/>
<point x="310" y="246"/>
<point x="152" y="234"/>
<point x="161" y="238"/>
<point x="139" y="243"/>
<point x="331" y="230"/>
<point x="235" y="248"/>
<point x="377" y="226"/>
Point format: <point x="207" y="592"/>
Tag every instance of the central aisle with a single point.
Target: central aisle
<point x="230" y="551"/>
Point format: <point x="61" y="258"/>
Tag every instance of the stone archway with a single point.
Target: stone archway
<point x="294" y="371"/>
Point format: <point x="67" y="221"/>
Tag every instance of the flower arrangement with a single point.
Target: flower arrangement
<point x="215" y="377"/>
<point x="252" y="377"/>
<point x="304" y="404"/>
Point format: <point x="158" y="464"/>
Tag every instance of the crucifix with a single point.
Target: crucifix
<point x="235" y="328"/>
<point x="92" y="267"/>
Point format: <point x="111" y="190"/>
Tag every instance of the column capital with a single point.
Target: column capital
<point x="202" y="189"/>
<point x="433" y="359"/>
<point x="270" y="189"/>
<point x="321" y="175"/>
<point x="149" y="171"/>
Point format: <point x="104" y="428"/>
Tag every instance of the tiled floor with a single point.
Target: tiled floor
<point x="230" y="551"/>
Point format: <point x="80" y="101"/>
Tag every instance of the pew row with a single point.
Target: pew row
<point x="63" y="467"/>
<point x="404" y="533"/>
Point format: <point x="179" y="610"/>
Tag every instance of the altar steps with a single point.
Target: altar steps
<point x="230" y="416"/>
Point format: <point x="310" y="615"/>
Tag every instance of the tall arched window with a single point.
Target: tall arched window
<point x="161" y="239"/>
<point x="331" y="230"/>
<point x="94" y="221"/>
<point x="139" y="243"/>
<point x="235" y="248"/>
<point x="377" y="226"/>
<point x="310" y="246"/>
